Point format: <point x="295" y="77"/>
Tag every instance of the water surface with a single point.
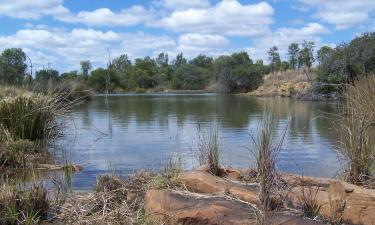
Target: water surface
<point x="131" y="132"/>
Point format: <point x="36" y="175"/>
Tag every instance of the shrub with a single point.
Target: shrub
<point x="356" y="126"/>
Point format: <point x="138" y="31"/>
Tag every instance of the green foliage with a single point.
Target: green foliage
<point x="189" y="77"/>
<point x="12" y="66"/>
<point x="85" y="67"/>
<point x="346" y="62"/>
<point x="101" y="80"/>
<point x="306" y="55"/>
<point x="274" y="58"/>
<point x="46" y="75"/>
<point x="32" y="117"/>
<point x="237" y="74"/>
<point x="293" y="52"/>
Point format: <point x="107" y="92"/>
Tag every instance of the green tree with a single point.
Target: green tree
<point x="180" y="60"/>
<point x="12" y="66"/>
<point x="98" y="80"/>
<point x="274" y="58"/>
<point x="189" y="77"/>
<point x="72" y="75"/>
<point x="85" y="67"/>
<point x="306" y="57"/>
<point x="293" y="51"/>
<point x="323" y="54"/>
<point x="47" y="75"/>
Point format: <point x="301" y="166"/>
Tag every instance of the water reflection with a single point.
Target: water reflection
<point x="131" y="132"/>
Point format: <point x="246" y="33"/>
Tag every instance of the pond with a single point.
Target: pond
<point x="131" y="132"/>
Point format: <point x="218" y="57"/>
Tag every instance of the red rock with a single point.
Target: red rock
<point x="187" y="209"/>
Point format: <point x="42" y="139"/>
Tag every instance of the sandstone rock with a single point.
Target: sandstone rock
<point x="340" y="201"/>
<point x="203" y="182"/>
<point x="177" y="208"/>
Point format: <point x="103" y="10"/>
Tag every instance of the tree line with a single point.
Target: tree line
<point x="227" y="73"/>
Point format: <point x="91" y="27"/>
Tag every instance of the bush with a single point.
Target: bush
<point x="357" y="130"/>
<point x="32" y="117"/>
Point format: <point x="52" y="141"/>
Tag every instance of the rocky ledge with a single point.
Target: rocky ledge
<point x="232" y="199"/>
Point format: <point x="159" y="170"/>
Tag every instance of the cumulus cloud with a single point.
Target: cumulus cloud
<point x="284" y="36"/>
<point x="182" y="4"/>
<point x="65" y="49"/>
<point x="31" y="9"/>
<point x="227" y="17"/>
<point x="343" y="14"/>
<point x="193" y="44"/>
<point x="106" y="17"/>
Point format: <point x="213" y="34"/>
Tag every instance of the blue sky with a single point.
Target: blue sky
<point x="61" y="33"/>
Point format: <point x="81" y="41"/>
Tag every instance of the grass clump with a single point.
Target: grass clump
<point x="28" y="123"/>
<point x="357" y="129"/>
<point x="23" y="206"/>
<point x="31" y="117"/>
<point x="266" y="153"/>
<point x="309" y="203"/>
<point x="209" y="151"/>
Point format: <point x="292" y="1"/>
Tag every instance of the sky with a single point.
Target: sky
<point x="61" y="33"/>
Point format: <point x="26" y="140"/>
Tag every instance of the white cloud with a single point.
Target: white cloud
<point x="284" y="36"/>
<point x="105" y="17"/>
<point x="65" y="49"/>
<point x="140" y="44"/>
<point x="193" y="44"/>
<point x="183" y="4"/>
<point x="31" y="9"/>
<point x="228" y="17"/>
<point x="343" y="14"/>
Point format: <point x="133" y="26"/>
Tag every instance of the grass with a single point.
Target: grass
<point x="266" y="153"/>
<point x="23" y="206"/>
<point x="68" y="90"/>
<point x="357" y="129"/>
<point x="120" y="201"/>
<point x="209" y="150"/>
<point x="28" y="123"/>
<point x="309" y="204"/>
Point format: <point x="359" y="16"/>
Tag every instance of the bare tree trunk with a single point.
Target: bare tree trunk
<point x="109" y="66"/>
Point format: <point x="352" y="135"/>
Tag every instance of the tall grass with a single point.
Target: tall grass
<point x="32" y="117"/>
<point x="67" y="90"/>
<point x="23" y="206"/>
<point x="266" y="153"/>
<point x="357" y="129"/>
<point x="28" y="123"/>
<point x="209" y="150"/>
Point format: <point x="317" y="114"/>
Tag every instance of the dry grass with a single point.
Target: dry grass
<point x="209" y="150"/>
<point x="23" y="206"/>
<point x="283" y="84"/>
<point x="309" y="204"/>
<point x="120" y="201"/>
<point x="357" y="129"/>
<point x="266" y="153"/>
